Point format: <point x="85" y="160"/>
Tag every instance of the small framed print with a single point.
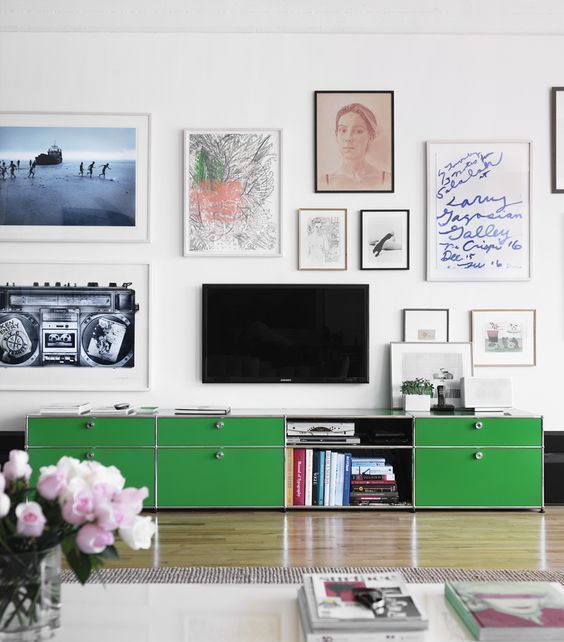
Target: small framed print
<point x="322" y="239"/>
<point x="420" y="324"/>
<point x="384" y="239"/>
<point x="504" y="337"/>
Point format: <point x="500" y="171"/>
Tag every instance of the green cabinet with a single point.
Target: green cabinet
<point x="221" y="431"/>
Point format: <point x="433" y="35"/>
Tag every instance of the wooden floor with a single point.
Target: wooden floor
<point x="469" y="539"/>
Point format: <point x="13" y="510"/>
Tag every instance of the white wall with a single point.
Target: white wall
<point x="446" y="87"/>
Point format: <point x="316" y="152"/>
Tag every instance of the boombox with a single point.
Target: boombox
<point x="67" y="325"/>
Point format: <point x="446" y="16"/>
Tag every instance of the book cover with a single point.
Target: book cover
<point x="315" y="479"/>
<point x="347" y="480"/>
<point x="289" y="477"/>
<point x="326" y="481"/>
<point x="308" y="476"/>
<point x="508" y="610"/>
<point x="299" y="479"/>
<point x="340" y="479"/>
<point x="333" y="477"/>
<point x="367" y="469"/>
<point x="387" y="476"/>
<point x="321" y="477"/>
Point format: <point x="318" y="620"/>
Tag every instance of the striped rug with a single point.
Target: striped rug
<point x="293" y="575"/>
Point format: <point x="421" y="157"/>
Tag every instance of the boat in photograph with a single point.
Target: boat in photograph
<point x="54" y="156"/>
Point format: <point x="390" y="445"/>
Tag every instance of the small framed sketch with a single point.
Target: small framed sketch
<point x="232" y="192"/>
<point x="354" y="141"/>
<point x="504" y="337"/>
<point x="420" y="324"/>
<point x="384" y="239"/>
<point x="322" y="239"/>
<point x="442" y="363"/>
<point x="557" y="140"/>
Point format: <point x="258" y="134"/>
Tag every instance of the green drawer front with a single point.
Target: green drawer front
<point x="242" y="477"/>
<point x="454" y="477"/>
<point x="495" y="431"/>
<point x="136" y="465"/>
<point x="233" y="431"/>
<point x="105" y="431"/>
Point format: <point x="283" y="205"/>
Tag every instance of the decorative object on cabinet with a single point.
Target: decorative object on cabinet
<point x="487" y="393"/>
<point x="426" y="324"/>
<point x="232" y="186"/>
<point x="417" y="394"/>
<point x="384" y="239"/>
<point x="74" y="177"/>
<point x="504" y="337"/>
<point x="478" y="211"/>
<point x="322" y="239"/>
<point x="557" y="141"/>
<point x="442" y="363"/>
<point x="354" y="141"/>
<point x="74" y="326"/>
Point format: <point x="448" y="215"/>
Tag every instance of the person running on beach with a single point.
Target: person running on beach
<point x="31" y="173"/>
<point x="3" y="170"/>
<point x="81" y="169"/>
<point x="18" y="166"/>
<point x="12" y="169"/>
<point x="104" y="168"/>
<point x="90" y="168"/>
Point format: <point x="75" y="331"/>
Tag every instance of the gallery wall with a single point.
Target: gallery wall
<point x="446" y="88"/>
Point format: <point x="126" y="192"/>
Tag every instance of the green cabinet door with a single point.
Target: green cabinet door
<point x="220" y="431"/>
<point x="137" y="465"/>
<point x="220" y="477"/>
<point x="478" y="477"/>
<point x="478" y="431"/>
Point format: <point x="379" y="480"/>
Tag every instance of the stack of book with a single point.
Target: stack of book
<point x="509" y="610"/>
<point x="372" y="482"/>
<point x="66" y="408"/>
<point x="329" y="609"/>
<point x="203" y="410"/>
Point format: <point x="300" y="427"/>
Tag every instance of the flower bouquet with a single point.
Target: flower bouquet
<point x="76" y="507"/>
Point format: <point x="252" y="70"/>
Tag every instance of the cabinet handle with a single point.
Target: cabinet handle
<point x="479" y="455"/>
<point x="90" y="424"/>
<point x="90" y="456"/>
<point x="219" y="425"/>
<point x="478" y="425"/>
<point x="219" y="455"/>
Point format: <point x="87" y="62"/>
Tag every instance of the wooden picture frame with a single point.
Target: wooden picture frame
<point x="504" y="337"/>
<point x="322" y="239"/>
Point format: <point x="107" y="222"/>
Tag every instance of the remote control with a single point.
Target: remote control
<point x="121" y="406"/>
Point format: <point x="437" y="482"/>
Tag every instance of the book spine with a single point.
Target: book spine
<point x="315" y="479"/>
<point x="289" y="477"/>
<point x="321" y="477"/>
<point x="367" y="490"/>
<point x="299" y="480"/>
<point x="333" y="478"/>
<point x="389" y="476"/>
<point x="327" y="482"/>
<point x="308" y="476"/>
<point x="462" y="611"/>
<point x="347" y="480"/>
<point x="373" y="482"/>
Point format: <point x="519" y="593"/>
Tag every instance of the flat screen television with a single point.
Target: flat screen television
<point x="285" y="333"/>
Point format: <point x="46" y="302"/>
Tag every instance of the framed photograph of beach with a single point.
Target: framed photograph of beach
<point x="384" y="239"/>
<point x="504" y="337"/>
<point x="74" y="326"/>
<point x="354" y="141"/>
<point x="70" y="177"/>
<point x="232" y="192"/>
<point x="322" y="239"/>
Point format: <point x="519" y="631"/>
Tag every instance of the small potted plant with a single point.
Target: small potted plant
<point x="417" y="395"/>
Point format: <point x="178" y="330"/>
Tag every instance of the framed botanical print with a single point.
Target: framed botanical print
<point x="425" y="324"/>
<point x="322" y="239"/>
<point x="504" y="337"/>
<point x="232" y="192"/>
<point x="384" y="239"/>
<point x="354" y="141"/>
<point x="478" y="210"/>
<point x="74" y="177"/>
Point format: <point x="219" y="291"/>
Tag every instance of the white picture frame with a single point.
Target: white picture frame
<point x="77" y="177"/>
<point x="557" y="140"/>
<point x="232" y="192"/>
<point x="74" y="326"/>
<point x="426" y="324"/>
<point x="441" y="363"/>
<point x="504" y="337"/>
<point x="478" y="210"/>
<point x="322" y="239"/>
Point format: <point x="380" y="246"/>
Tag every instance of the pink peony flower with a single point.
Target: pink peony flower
<point x="139" y="534"/>
<point x="51" y="482"/>
<point x="2" y="483"/>
<point x="93" y="539"/>
<point x="131" y="501"/>
<point x="5" y="504"/>
<point x="30" y="519"/>
<point x="17" y="467"/>
<point x="79" y="508"/>
<point x="110" y="515"/>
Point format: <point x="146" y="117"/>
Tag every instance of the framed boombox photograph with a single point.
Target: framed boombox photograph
<point x="74" y="326"/>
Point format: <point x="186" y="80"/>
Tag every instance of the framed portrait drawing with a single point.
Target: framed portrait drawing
<point x="504" y="337"/>
<point x="442" y="363"/>
<point x="354" y="141"/>
<point x="322" y="239"/>
<point x="557" y="142"/>
<point x="384" y="239"/>
<point x="425" y="324"/>
<point x="74" y="177"/>
<point x="478" y="211"/>
<point x="74" y="326"/>
<point x="232" y="192"/>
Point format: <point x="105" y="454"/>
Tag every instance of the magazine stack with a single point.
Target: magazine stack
<point x="359" y="607"/>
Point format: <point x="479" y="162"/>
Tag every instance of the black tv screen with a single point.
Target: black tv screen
<point x="285" y="333"/>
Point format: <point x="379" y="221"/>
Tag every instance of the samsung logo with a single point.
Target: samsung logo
<point x="285" y="380"/>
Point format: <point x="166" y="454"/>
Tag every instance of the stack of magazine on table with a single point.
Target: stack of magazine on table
<point x="359" y="607"/>
<point x="509" y="610"/>
<point x="65" y="408"/>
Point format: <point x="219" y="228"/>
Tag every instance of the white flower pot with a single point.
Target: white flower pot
<point x="416" y="403"/>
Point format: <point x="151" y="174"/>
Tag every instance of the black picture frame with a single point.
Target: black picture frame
<point x="375" y="249"/>
<point x="557" y="96"/>
<point x="334" y="169"/>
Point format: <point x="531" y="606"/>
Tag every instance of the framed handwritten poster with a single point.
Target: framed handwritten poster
<point x="478" y="211"/>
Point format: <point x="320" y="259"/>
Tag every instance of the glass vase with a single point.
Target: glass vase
<point x="30" y="595"/>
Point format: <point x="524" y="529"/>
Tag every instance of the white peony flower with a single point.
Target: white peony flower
<point x="138" y="534"/>
<point x="4" y="505"/>
<point x="17" y="467"/>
